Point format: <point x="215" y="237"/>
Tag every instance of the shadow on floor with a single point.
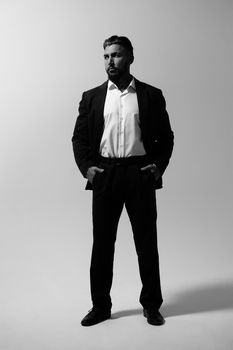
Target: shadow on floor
<point x="202" y="298"/>
<point x="125" y="313"/>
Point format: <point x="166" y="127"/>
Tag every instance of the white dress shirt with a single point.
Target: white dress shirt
<point x="122" y="133"/>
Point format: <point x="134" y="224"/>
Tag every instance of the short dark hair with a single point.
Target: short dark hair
<point x="120" y="40"/>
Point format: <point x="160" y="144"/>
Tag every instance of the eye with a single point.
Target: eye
<point x="116" y="54"/>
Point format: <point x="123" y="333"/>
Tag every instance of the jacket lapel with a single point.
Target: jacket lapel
<point x="142" y="105"/>
<point x="99" y="109"/>
<point x="101" y="96"/>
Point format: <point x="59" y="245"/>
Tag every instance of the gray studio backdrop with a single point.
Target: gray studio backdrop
<point x="51" y="51"/>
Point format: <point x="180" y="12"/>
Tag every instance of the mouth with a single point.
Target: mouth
<point x="112" y="69"/>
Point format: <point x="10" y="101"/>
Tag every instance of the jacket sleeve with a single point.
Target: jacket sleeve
<point x="80" y="139"/>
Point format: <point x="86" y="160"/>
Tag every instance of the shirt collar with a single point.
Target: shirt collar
<point x="112" y="86"/>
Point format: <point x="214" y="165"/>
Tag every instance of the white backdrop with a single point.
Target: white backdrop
<point x="51" y="51"/>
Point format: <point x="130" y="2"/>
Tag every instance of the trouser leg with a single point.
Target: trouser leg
<point x="107" y="208"/>
<point x="141" y="208"/>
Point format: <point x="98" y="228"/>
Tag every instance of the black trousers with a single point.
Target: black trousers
<point x="124" y="183"/>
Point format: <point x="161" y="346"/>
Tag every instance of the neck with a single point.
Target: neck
<point x="123" y="82"/>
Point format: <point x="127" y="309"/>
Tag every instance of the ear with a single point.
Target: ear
<point x="131" y="59"/>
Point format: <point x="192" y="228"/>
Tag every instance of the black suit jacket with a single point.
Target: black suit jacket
<point x="156" y="132"/>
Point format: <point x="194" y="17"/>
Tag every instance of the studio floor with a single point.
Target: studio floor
<point x="54" y="323"/>
<point x="45" y="292"/>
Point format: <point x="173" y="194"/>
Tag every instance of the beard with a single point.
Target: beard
<point x="114" y="74"/>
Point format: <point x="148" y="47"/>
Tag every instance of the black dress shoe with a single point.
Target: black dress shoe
<point x="95" y="315"/>
<point x="154" y="317"/>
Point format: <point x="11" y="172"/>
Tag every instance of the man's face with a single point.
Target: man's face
<point x="117" y="61"/>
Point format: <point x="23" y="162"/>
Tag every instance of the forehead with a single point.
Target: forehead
<point x="114" y="48"/>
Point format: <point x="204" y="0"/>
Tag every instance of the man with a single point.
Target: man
<point x="122" y="144"/>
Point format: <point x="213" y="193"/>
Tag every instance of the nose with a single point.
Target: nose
<point x="111" y="61"/>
